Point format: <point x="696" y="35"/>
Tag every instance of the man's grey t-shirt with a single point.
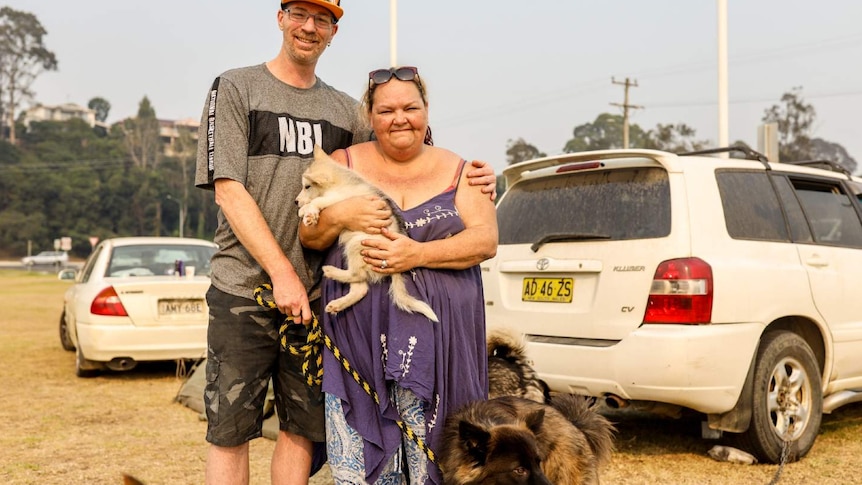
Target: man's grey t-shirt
<point x="261" y="132"/>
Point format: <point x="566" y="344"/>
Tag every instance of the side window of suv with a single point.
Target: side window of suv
<point x="830" y="211"/>
<point x="751" y="206"/>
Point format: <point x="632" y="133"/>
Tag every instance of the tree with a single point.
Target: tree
<point x="678" y="138"/>
<point x="519" y="150"/>
<point x="826" y="150"/>
<point x="23" y="57"/>
<point x="141" y="136"/>
<point x="101" y="106"/>
<point x="795" y="119"/>
<point x="606" y="132"/>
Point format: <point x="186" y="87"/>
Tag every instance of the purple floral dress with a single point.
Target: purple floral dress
<point x="444" y="364"/>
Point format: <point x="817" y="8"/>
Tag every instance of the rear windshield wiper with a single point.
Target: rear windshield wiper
<point x="566" y="237"/>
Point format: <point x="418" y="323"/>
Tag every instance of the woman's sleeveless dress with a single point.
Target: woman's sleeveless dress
<point x="444" y="364"/>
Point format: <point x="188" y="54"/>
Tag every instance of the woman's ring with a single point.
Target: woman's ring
<point x="383" y="264"/>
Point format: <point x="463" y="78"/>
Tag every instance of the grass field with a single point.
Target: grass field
<point x="59" y="429"/>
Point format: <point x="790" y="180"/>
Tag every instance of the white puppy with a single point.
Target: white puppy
<point x="326" y="182"/>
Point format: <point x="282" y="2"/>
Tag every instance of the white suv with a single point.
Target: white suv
<point x="727" y="286"/>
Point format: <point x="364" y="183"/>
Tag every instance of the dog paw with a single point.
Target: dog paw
<point x="311" y="219"/>
<point x="329" y="271"/>
<point x="310" y="214"/>
<point x="333" y="308"/>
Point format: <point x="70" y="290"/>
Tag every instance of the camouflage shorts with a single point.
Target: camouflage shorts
<point x="243" y="353"/>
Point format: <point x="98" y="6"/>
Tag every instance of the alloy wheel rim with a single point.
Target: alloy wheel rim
<point x="789" y="399"/>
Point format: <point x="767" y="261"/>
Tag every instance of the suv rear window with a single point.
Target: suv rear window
<point x="630" y="203"/>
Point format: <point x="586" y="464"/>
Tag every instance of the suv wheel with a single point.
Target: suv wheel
<point x="65" y="340"/>
<point x="787" y="400"/>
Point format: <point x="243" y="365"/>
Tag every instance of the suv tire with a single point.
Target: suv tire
<point x="787" y="397"/>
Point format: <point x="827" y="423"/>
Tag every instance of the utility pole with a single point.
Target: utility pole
<point x="626" y="106"/>
<point x="723" y="123"/>
<point x="393" y="33"/>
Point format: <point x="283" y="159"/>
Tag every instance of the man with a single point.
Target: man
<point x="258" y="130"/>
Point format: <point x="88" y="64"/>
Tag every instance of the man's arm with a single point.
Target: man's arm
<point x="248" y="224"/>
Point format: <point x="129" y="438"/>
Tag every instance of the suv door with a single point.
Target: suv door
<point x="833" y="260"/>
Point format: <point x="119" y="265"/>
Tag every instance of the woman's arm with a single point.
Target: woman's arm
<point x="366" y="214"/>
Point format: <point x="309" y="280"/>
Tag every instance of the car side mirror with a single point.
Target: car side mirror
<point x="67" y="274"/>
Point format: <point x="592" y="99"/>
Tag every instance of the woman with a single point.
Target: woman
<point x="426" y="369"/>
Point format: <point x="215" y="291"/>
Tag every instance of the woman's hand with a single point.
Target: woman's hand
<point x="368" y="214"/>
<point x="364" y="214"/>
<point x="395" y="254"/>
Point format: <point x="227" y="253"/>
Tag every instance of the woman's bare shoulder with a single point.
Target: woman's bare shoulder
<point x="356" y="151"/>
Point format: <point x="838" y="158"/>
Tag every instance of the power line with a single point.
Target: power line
<point x="595" y="85"/>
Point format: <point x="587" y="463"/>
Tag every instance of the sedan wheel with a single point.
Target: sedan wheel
<point x="65" y="340"/>
<point x="787" y="400"/>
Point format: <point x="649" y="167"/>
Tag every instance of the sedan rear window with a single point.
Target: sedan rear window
<point x="631" y="203"/>
<point x="148" y="260"/>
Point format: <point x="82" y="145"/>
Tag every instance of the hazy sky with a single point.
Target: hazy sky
<point x="496" y="70"/>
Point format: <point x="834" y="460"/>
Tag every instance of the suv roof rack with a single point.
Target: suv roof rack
<point x="748" y="152"/>
<point x="823" y="165"/>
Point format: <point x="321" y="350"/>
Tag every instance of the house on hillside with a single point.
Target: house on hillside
<point x="170" y="131"/>
<point x="63" y="112"/>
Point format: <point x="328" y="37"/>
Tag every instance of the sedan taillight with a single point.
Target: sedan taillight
<point x="681" y="292"/>
<point x="108" y="303"/>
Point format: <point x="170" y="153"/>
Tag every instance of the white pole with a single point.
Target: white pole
<point x="723" y="139"/>
<point x="393" y="32"/>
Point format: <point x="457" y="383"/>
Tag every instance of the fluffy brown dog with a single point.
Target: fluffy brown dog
<point x="325" y="182"/>
<point x="510" y="440"/>
<point x="509" y="369"/>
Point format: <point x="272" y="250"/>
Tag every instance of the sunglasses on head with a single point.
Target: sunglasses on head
<point x="382" y="76"/>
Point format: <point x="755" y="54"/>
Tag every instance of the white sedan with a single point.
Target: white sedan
<point x="56" y="258"/>
<point x="137" y="299"/>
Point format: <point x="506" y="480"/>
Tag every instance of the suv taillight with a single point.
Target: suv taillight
<point x="107" y="302"/>
<point x="681" y="292"/>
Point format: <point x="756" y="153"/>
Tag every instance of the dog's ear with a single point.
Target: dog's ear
<point x="319" y="154"/>
<point x="534" y="420"/>
<point x="475" y="440"/>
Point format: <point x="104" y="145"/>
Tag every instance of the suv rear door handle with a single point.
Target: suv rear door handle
<point x="816" y="261"/>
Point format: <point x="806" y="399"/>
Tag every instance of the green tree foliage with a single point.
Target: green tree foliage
<point x="23" y="57"/>
<point x="67" y="179"/>
<point x="519" y="150"/>
<point x="101" y="106"/>
<point x="827" y="150"/>
<point x="141" y="136"/>
<point x="795" y="119"/>
<point x="677" y="138"/>
<point x="606" y="132"/>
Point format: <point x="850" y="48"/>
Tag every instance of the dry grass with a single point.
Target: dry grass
<point x="59" y="429"/>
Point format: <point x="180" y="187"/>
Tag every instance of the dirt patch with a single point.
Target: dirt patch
<point x="60" y="429"/>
